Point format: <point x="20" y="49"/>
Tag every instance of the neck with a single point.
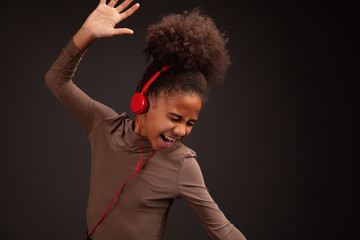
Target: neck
<point x="138" y="125"/>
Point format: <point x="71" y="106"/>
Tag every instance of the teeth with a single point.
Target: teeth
<point x="169" y="139"/>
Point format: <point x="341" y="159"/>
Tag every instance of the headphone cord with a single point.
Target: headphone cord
<point x="138" y="168"/>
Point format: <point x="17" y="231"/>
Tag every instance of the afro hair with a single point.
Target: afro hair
<point x="192" y="43"/>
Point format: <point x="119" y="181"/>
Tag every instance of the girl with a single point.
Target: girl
<point x="145" y="154"/>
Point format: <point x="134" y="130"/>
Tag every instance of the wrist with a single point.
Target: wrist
<point x="83" y="38"/>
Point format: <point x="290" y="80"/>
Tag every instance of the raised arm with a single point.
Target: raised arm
<point x="100" y="23"/>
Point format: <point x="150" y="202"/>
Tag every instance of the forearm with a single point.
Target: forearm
<point x="59" y="81"/>
<point x="100" y="24"/>
<point x="235" y="234"/>
<point x="64" y="67"/>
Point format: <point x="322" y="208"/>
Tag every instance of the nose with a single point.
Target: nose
<point x="180" y="130"/>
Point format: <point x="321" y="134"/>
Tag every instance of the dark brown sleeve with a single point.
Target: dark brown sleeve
<point x="88" y="112"/>
<point x="192" y="189"/>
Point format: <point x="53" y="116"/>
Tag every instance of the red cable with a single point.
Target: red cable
<point x="138" y="168"/>
<point x="137" y="120"/>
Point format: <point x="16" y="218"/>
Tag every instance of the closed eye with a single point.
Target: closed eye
<point x="174" y="119"/>
<point x="190" y="124"/>
<point x="177" y="118"/>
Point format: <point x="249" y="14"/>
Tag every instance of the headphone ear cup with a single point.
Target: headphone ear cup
<point x="139" y="103"/>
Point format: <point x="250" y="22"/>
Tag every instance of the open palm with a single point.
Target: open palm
<point x="102" y="21"/>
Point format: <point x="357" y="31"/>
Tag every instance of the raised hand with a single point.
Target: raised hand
<point x="102" y="21"/>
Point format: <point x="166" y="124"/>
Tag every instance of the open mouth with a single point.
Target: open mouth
<point x="167" y="139"/>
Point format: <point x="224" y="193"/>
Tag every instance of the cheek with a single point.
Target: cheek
<point x="156" y="125"/>
<point x="164" y="125"/>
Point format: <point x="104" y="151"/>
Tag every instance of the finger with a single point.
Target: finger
<point x="123" y="31"/>
<point x="123" y="5"/>
<point x="112" y="3"/>
<point x="129" y="12"/>
<point x="102" y="1"/>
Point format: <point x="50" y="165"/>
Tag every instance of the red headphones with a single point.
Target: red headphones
<point x="139" y="102"/>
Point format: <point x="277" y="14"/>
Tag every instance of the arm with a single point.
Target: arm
<point x="192" y="189"/>
<point x="100" y="23"/>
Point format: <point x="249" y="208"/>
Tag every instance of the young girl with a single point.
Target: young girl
<point x="139" y="166"/>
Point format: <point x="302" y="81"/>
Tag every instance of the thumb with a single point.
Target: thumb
<point x="122" y="31"/>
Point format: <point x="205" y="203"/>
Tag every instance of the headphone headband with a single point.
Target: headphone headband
<point x="139" y="102"/>
<point x="146" y="86"/>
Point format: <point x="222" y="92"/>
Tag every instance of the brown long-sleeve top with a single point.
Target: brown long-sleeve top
<point x="141" y="209"/>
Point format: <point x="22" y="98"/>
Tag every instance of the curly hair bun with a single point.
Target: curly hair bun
<point x="191" y="42"/>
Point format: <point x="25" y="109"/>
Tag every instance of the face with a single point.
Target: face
<point x="169" y="119"/>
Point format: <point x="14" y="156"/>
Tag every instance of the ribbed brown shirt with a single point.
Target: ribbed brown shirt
<point x="141" y="209"/>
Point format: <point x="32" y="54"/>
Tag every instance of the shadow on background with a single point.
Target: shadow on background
<point x="274" y="141"/>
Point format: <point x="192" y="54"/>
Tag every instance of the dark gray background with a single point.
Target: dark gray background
<point x="274" y="141"/>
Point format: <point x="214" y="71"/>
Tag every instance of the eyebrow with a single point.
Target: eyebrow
<point x="180" y="117"/>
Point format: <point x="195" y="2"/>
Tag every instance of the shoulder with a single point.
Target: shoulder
<point x="180" y="151"/>
<point x="112" y="121"/>
<point x="190" y="179"/>
<point x="181" y="155"/>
